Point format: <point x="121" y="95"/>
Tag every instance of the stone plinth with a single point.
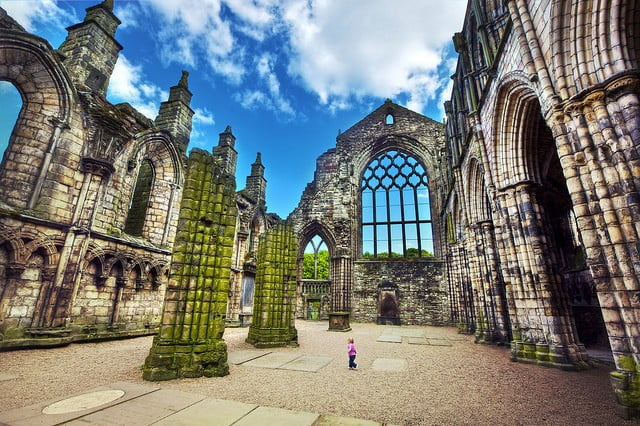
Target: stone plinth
<point x="339" y="321"/>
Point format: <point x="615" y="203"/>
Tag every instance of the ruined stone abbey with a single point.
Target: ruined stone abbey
<point x="517" y="220"/>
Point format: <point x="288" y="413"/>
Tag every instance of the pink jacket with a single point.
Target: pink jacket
<point x="351" y="348"/>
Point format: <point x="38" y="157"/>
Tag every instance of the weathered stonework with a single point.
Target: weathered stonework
<point x="275" y="291"/>
<point x="542" y="209"/>
<point x="67" y="180"/>
<point x="190" y="343"/>
<point x="420" y="296"/>
<point x="331" y="208"/>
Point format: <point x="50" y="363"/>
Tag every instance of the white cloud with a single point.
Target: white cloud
<point x="128" y="13"/>
<point x="128" y="84"/>
<point x="194" y="31"/>
<point x="342" y="50"/>
<point x="29" y="14"/>
<point x="203" y="116"/>
<point x="126" y="80"/>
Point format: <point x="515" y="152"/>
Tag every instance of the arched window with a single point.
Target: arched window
<point x="11" y="102"/>
<point x="396" y="215"/>
<point x="389" y="119"/>
<point x="140" y="200"/>
<point x="316" y="260"/>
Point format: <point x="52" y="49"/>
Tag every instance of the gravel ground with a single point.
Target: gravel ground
<point x="460" y="384"/>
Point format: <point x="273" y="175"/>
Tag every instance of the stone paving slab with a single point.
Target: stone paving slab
<point x="329" y="420"/>
<point x="4" y="377"/>
<point x="33" y="414"/>
<point x="239" y="357"/>
<point x="389" y="364"/>
<point x="209" y="411"/>
<point x="277" y="416"/>
<point x="417" y="341"/>
<point x="142" y="411"/>
<point x="403" y="331"/>
<point x="389" y="338"/>
<point x="272" y="360"/>
<point x="439" y="342"/>
<point x="307" y="363"/>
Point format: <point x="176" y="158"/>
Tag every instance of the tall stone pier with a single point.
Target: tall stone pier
<point x="190" y="343"/>
<point x="275" y="291"/>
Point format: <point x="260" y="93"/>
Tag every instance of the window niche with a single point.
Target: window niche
<point x="389" y="119"/>
<point x="140" y="200"/>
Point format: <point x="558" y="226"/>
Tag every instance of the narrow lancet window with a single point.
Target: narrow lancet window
<point x="140" y="200"/>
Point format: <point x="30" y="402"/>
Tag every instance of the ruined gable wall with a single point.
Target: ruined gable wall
<point x="332" y="202"/>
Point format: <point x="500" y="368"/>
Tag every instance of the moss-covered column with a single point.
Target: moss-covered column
<point x="190" y="343"/>
<point x="275" y="289"/>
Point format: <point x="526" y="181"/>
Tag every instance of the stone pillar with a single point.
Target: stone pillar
<point x="496" y="289"/>
<point x="190" y="342"/>
<point x="275" y="289"/>
<point x="598" y="137"/>
<point x="341" y="281"/>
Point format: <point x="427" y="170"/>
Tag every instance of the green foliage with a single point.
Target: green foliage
<point x="411" y="252"/>
<point x="323" y="266"/>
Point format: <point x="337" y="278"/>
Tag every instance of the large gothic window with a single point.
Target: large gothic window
<point x="396" y="215"/>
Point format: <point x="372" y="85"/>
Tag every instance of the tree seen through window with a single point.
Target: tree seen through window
<point x="316" y="260"/>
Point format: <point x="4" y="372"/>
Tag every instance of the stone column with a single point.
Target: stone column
<point x="598" y="136"/>
<point x="275" y="289"/>
<point x="341" y="281"/>
<point x="190" y="342"/>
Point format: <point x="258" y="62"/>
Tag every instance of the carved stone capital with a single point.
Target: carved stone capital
<point x="15" y="270"/>
<point x="97" y="167"/>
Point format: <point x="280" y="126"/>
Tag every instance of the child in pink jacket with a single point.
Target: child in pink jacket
<point x="351" y="350"/>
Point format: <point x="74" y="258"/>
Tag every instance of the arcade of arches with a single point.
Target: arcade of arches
<point x="516" y="220"/>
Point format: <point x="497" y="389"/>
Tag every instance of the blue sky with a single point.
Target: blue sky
<point x="287" y="75"/>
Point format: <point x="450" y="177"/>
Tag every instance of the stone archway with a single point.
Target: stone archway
<point x="533" y="198"/>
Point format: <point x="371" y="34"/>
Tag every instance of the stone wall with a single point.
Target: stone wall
<point x="543" y="132"/>
<point x="70" y="270"/>
<point x="331" y="206"/>
<point x="421" y="298"/>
